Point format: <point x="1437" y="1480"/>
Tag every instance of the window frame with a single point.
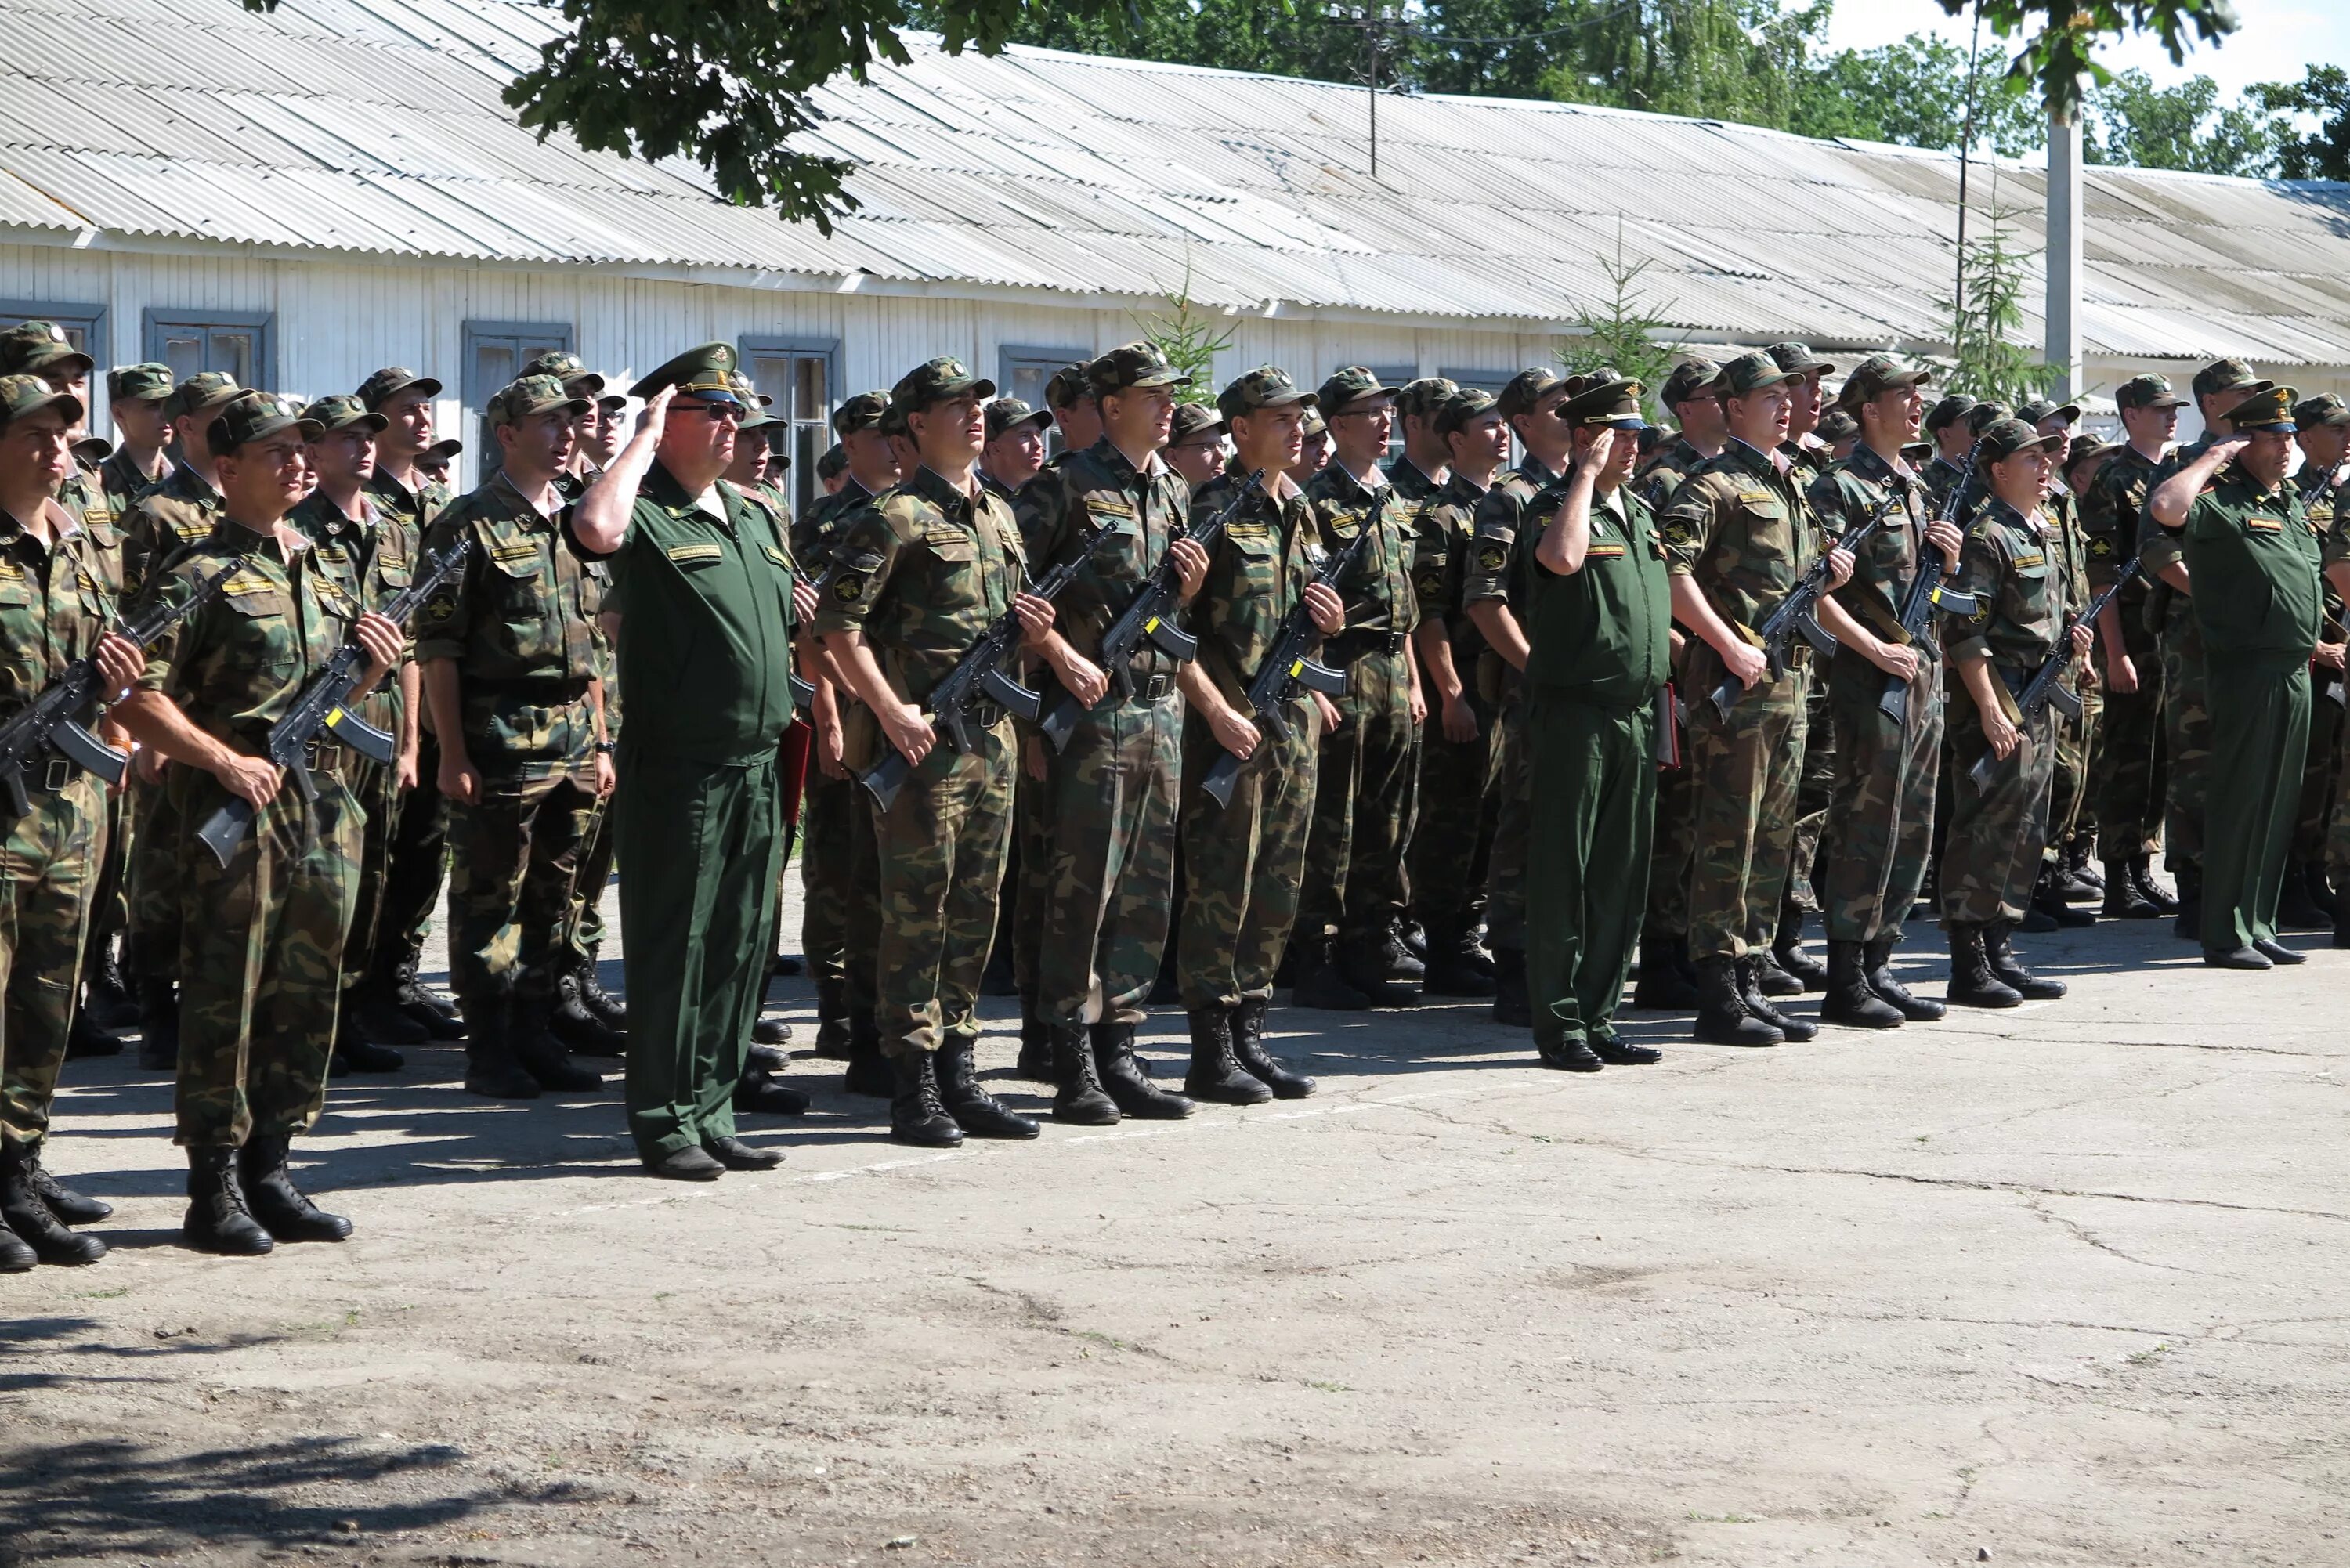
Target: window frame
<point x="156" y="321"/>
<point x="473" y="397"/>
<point x="805" y="489"/>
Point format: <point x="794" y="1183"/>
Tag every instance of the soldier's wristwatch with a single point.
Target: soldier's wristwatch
<point x="608" y="747"/>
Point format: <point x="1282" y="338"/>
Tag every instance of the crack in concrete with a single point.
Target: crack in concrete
<point x="2086" y="1237"/>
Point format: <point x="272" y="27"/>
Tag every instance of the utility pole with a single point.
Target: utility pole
<point x="2063" y="257"/>
<point x="1377" y="18"/>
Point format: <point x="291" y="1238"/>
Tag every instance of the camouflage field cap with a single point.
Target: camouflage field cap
<point x="755" y="416"/>
<point x="1755" y="372"/>
<point x="138" y="383"/>
<point x="2039" y="409"/>
<point x="861" y="412"/>
<point x="203" y="391"/>
<point x="527" y="396"/>
<point x="24" y="395"/>
<point x="2086" y="447"/>
<point x="613" y="402"/>
<point x="41" y="348"/>
<point x="1983" y="416"/>
<point x="344" y="411"/>
<point x="1948" y="412"/>
<point x="256" y="416"/>
<point x="2147" y="391"/>
<point x="2268" y="410"/>
<point x="705" y="372"/>
<point x="1837" y="425"/>
<point x="442" y="451"/>
<point x="1314" y="424"/>
<point x="1132" y="364"/>
<point x="1347" y="386"/>
<point x="1193" y="421"/>
<point x="1426" y="396"/>
<point x="2325" y="409"/>
<point x="1612" y="403"/>
<point x="1917" y="452"/>
<point x="2009" y="436"/>
<point x="1797" y="360"/>
<point x="1528" y="387"/>
<point x="1455" y="415"/>
<point x="1266" y="387"/>
<point x="934" y="382"/>
<point x="833" y="464"/>
<point x="2226" y="375"/>
<point x="1693" y="378"/>
<point x="93" y="449"/>
<point x="571" y="370"/>
<point x="1877" y="375"/>
<point x="1010" y="413"/>
<point x="378" y="388"/>
<point x="892" y="422"/>
<point x="1068" y="387"/>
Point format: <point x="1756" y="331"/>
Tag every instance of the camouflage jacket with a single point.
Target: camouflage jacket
<point x="413" y="508"/>
<point x="1439" y="568"/>
<point x="374" y="559"/>
<point x="1941" y="477"/>
<point x="1663" y="473"/>
<point x="54" y="603"/>
<point x="84" y="497"/>
<point x="1137" y="513"/>
<point x="1744" y="532"/>
<point x="165" y="519"/>
<point x="1255" y="573"/>
<point x="1883" y="567"/>
<point x="122" y="482"/>
<point x="2014" y="567"/>
<point x="817" y="531"/>
<point x="1377" y="591"/>
<point x="2110" y="515"/>
<point x="1504" y="537"/>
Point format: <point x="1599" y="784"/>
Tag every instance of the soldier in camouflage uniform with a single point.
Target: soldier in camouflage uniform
<point x="53" y="610"/>
<point x="2013" y="567"/>
<point x="1244" y="859"/>
<point x="2071" y="821"/>
<point x="2335" y="558"/>
<point x="1949" y="426"/>
<point x="1883" y="807"/>
<point x="262" y="944"/>
<point x="922" y="570"/>
<point x="511" y="667"/>
<point x="1739" y="536"/>
<point x="2322" y="427"/>
<point x="135" y="398"/>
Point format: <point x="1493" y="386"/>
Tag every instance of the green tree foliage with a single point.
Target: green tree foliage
<point x="1620" y="334"/>
<point x="1189" y="337"/>
<point x="2060" y="38"/>
<point x="2132" y="121"/>
<point x="1988" y="363"/>
<point x="2324" y="153"/>
<point x="1914" y="94"/>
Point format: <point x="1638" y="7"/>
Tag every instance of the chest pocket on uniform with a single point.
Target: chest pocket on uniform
<point x="1770" y="532"/>
<point x="523" y="611"/>
<point x="15" y="587"/>
<point x="267" y="639"/>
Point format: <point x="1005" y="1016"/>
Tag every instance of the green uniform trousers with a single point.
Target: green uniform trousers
<point x="2187" y="736"/>
<point x="1356" y="879"/>
<point x="828" y="812"/>
<point x="1992" y="855"/>
<point x="940" y="849"/>
<point x="2259" y="731"/>
<point x="1672" y="847"/>
<point x="261" y="959"/>
<point x="47" y="870"/>
<point x="1594" y="773"/>
<point x="1748" y="765"/>
<point x="701" y="847"/>
<point x="1243" y="862"/>
<point x="1111" y="854"/>
<point x="1453" y="842"/>
<point x="514" y="857"/>
<point x="1882" y="838"/>
<point x="1505" y="876"/>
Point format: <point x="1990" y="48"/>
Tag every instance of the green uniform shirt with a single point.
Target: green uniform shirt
<point x="1601" y="635"/>
<point x="165" y="519"/>
<point x="1255" y="573"/>
<point x="2255" y="569"/>
<point x="1382" y="602"/>
<point x="2014" y="567"/>
<point x="54" y="603"/>
<point x="1136" y="512"/>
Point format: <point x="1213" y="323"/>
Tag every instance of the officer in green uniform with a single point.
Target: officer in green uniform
<point x="2012" y="566"/>
<point x="2258" y="604"/>
<point x="924" y="568"/>
<point x="262" y="943"/>
<point x="1242" y="860"/>
<point x="53" y="610"/>
<point x="1598" y="616"/>
<point x="511" y="661"/>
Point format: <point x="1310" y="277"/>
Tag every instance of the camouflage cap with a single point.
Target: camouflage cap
<point x="378" y="388"/>
<point x="613" y="402"/>
<point x="2270" y="409"/>
<point x="1193" y="420"/>
<point x="1528" y="387"/>
<point x="1426" y="396"/>
<point x="343" y="411"/>
<point x="1797" y="360"/>
<point x="525" y="396"/>
<point x="256" y="416"/>
<point x="205" y="390"/>
<point x="934" y="382"/>
<point x="23" y="395"/>
<point x="1133" y="365"/>
<point x="1314" y="424"/>
<point x="861" y="412"/>
<point x="93" y="449"/>
<point x="2083" y="448"/>
<point x="2225" y="376"/>
<point x="1917" y="452"/>
<point x="1010" y="413"/>
<point x="2325" y="409"/>
<point x="445" y="448"/>
<point x="1838" y="425"/>
<point x="1983" y="416"/>
<point x="1463" y="407"/>
<point x="755" y="404"/>
<point x="1876" y="376"/>
<point x="834" y="463"/>
<point x="1754" y="372"/>
<point x="1070" y="385"/>
<point x="568" y="368"/>
<point x="41" y="348"/>
<point x="2147" y="391"/>
<point x="2007" y="436"/>
<point x="1346" y="386"/>
<point x="1612" y="401"/>
<point x="892" y="422"/>
<point x="2039" y="409"/>
<point x="1266" y="387"/>
<point x="138" y="383"/>
<point x="1692" y="377"/>
<point x="702" y="372"/>
<point x="1948" y="412"/>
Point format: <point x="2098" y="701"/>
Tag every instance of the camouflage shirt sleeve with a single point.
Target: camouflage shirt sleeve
<point x="1492" y="541"/>
<point x="1982" y="568"/>
<point x="865" y="551"/>
<point x="1685" y="526"/>
<point x="444" y="620"/>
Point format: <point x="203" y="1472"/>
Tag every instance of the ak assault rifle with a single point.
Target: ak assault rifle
<point x="1148" y="617"/>
<point x="321" y="706"/>
<point x="803" y="689"/>
<point x="977" y="675"/>
<point x="2046" y="688"/>
<point x="1798" y="613"/>
<point x="1287" y="669"/>
<point x="1927" y="593"/>
<point x="48" y="722"/>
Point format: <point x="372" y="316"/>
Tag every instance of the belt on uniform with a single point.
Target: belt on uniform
<point x="56" y="774"/>
<point x="1153" y="688"/>
<point x="1356" y="644"/>
<point x="543" y="691"/>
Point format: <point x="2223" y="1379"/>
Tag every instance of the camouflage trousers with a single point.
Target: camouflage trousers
<point x="1243" y="862"/>
<point x="704" y="847"/>
<point x="47" y="870"/>
<point x="2259" y="735"/>
<point x="2187" y="734"/>
<point x="1111" y="822"/>
<point x="2321" y="772"/>
<point x="417" y="862"/>
<point x="1355" y="878"/>
<point x="514" y="857"/>
<point x="2128" y="777"/>
<point x="863" y="918"/>
<point x="1595" y="773"/>
<point x="109" y="900"/>
<point x="940" y="846"/>
<point x="1882" y="840"/>
<point x="1505" y="874"/>
<point x="1032" y="888"/>
<point x="261" y="960"/>
<point x="1452" y="841"/>
<point x="1814" y="790"/>
<point x="2070" y="814"/>
<point x="586" y="930"/>
<point x="376" y="790"/>
<point x="828" y="812"/>
<point x="2337" y="830"/>
<point x="1992" y="856"/>
<point x="152" y="869"/>
<point x="1672" y="847"/>
<point x="1748" y="766"/>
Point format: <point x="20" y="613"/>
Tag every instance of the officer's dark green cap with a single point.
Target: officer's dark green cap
<point x="700" y="372"/>
<point x="834" y="463"/>
<point x="1069" y="386"/>
<point x="934" y="382"/>
<point x="1948" y="412"/>
<point x="525" y="396"/>
<point x="1426" y="396"/>
<point x="1131" y="365"/>
<point x="1266" y="387"/>
<point x="1797" y="360"/>
<point x="1461" y="408"/>
<point x="2225" y="376"/>
<point x="1609" y="402"/>
<point x="138" y="383"/>
<point x="378" y="388"/>
<point x="1526" y="389"/>
<point x="1695" y="377"/>
<point x="2007" y="436"/>
<point x="23" y="395"/>
<point x="861" y="412"/>
<point x="1192" y="420"/>
<point x="2147" y="391"/>
<point x="344" y="411"/>
<point x="1010" y="413"/>
<point x="1876" y="376"/>
<point x="2039" y="409"/>
<point x="2325" y="409"/>
<point x="203" y="391"/>
<point x="1754" y="372"/>
<point x="41" y="348"/>
<point x="1347" y="386"/>
<point x="256" y="416"/>
<point x="2266" y="410"/>
<point x="571" y="370"/>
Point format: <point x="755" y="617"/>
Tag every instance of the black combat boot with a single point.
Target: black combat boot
<point x="1972" y="984"/>
<point x="2081" y="868"/>
<point x="1877" y="967"/>
<point x="610" y="1010"/>
<point x="354" y="1052"/>
<point x="1850" y="1000"/>
<point x="768" y="1038"/>
<point x="1125" y="1081"/>
<point x="1750" y="987"/>
<point x="1034" y="1062"/>
<point x="832" y="1019"/>
<point x="85" y="1039"/>
<point x="106" y="995"/>
<point x="759" y="1093"/>
<point x="2296" y="910"/>
<point x="1319" y="983"/>
<point x="2142" y="878"/>
<point x="491" y="1069"/>
<point x="1568" y="1056"/>
<point x="25" y="1211"/>
<point x="2320" y="891"/>
<point x="917" y="1114"/>
<point x="1512" y="1009"/>
<point x="1248" y="1049"/>
<point x="219" y="1219"/>
<point x="1411" y="954"/>
<point x="1081" y="1099"/>
<point x="541" y="1055"/>
<point x="2009" y="971"/>
<point x="1378" y="966"/>
<point x="2048" y="898"/>
<point x="869" y="1073"/>
<point x="276" y="1202"/>
<point x="374" y="1004"/>
<point x="1770" y="980"/>
<point x="1452" y="969"/>
<point x="72" y="1207"/>
<point x="1662" y="987"/>
<point x="2342" y="904"/>
<point x="570" y="1022"/>
<point x="2187" y="924"/>
<point x="159" y="1022"/>
<point x="975" y="1110"/>
<point x="1216" y="1074"/>
<point x="1787" y="951"/>
<point x="437" y="1016"/>
<point x="2124" y="900"/>
<point x="1722" y="1015"/>
<point x="16" y="1258"/>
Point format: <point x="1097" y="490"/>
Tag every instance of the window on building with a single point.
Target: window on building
<point x="243" y="343"/>
<point x="1025" y="372"/>
<point x="495" y="352"/>
<point x="800" y="375"/>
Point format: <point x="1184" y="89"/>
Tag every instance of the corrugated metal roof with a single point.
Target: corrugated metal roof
<point x="374" y="127"/>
